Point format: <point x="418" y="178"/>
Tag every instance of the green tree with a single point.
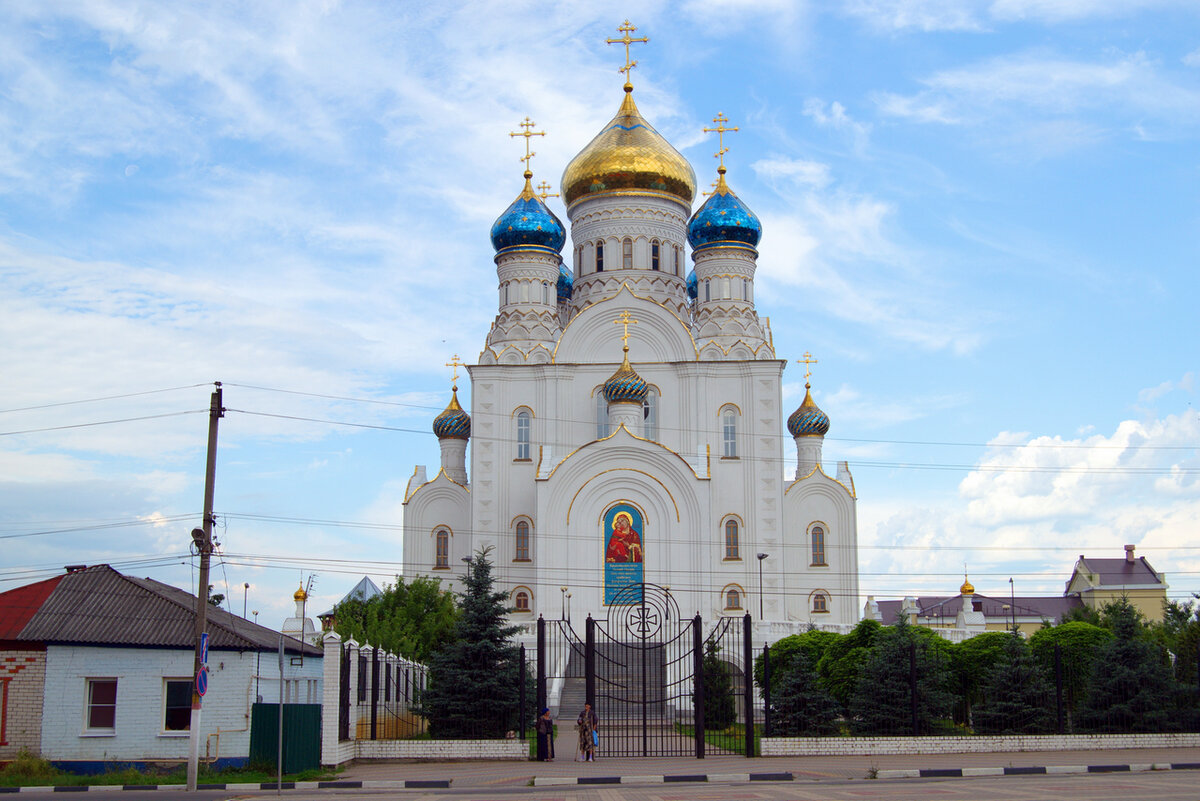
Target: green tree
<point x="813" y="643"/>
<point x="800" y="705"/>
<point x="720" y="708"/>
<point x="474" y="679"/>
<point x="1078" y="644"/>
<point x="411" y="619"/>
<point x="839" y="667"/>
<point x="882" y="700"/>
<point x="1016" y="696"/>
<point x="1132" y="689"/>
<point x="970" y="661"/>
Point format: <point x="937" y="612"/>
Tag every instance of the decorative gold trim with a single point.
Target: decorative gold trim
<point x="625" y="288"/>
<point x="518" y="409"/>
<point x="512" y="524"/>
<point x="538" y="469"/>
<point x="725" y="598"/>
<point x="635" y="436"/>
<point x="441" y="471"/>
<point x="725" y="406"/>
<point x="571" y="505"/>
<point x="810" y="473"/>
<point x="638" y="506"/>
<point x="446" y="526"/>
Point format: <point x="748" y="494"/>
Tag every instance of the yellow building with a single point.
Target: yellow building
<point x="1096" y="582"/>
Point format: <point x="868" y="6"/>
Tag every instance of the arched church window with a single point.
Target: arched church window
<point x="601" y="414"/>
<point x="678" y="258"/>
<point x="521" y="551"/>
<point x="506" y="294"/>
<point x="600" y="256"/>
<point x="546" y="293"/>
<point x="745" y="289"/>
<point x="707" y="290"/>
<point x="650" y="415"/>
<point x="729" y="438"/>
<point x="817" y="537"/>
<point x="441" y="539"/>
<point x="627" y="253"/>
<point x="820" y="602"/>
<point x="524" y="430"/>
<point x="732" y="539"/>
<point x="579" y="260"/>
<point x="654" y="255"/>
<point x="521" y="600"/>
<point x="733" y="598"/>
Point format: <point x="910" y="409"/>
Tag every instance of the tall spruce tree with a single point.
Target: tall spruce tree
<point x="1017" y="697"/>
<point x="882" y="703"/>
<point x="1132" y="689"/>
<point x="474" y="681"/>
<point x="801" y="706"/>
<point x="720" y="708"/>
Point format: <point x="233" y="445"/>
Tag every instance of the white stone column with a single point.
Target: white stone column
<point x="331" y="678"/>
<point x="628" y="413"/>
<point x="454" y="458"/>
<point x="808" y="454"/>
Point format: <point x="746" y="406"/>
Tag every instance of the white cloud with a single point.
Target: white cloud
<point x="1054" y="11"/>
<point x="1192" y="59"/>
<point x="924" y="15"/>
<point x="800" y="171"/>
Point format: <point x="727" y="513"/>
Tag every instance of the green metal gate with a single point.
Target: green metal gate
<point x="301" y="736"/>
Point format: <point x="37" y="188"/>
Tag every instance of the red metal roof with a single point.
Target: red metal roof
<point x="19" y="605"/>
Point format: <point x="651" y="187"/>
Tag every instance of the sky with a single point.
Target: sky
<point x="981" y="218"/>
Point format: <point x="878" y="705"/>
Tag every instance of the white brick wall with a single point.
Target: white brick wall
<point x="25" y="672"/>
<point x="866" y="746"/>
<point x="138" y="733"/>
<point x="442" y="749"/>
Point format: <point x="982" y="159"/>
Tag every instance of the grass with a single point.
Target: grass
<point x="28" y="770"/>
<point x="732" y="738"/>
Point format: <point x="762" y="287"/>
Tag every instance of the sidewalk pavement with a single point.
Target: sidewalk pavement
<point x="500" y="773"/>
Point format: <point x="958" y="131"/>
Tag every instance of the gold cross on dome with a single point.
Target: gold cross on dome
<point x="720" y="130"/>
<point x="456" y="363"/>
<point x="626" y="320"/>
<point x="544" y="191"/>
<point x="528" y="133"/>
<point x="806" y="361"/>
<point x="714" y="189"/>
<point x="627" y="40"/>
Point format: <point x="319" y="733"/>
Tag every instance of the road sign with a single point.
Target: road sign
<point x="202" y="681"/>
<point x="203" y="649"/>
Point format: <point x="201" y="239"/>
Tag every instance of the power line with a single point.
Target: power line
<point x="104" y="398"/>
<point x="101" y="423"/>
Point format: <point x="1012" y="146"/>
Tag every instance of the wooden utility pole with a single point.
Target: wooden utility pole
<point x="204" y="544"/>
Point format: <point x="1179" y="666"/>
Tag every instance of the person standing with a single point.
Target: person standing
<point x="588" y="724"/>
<point x="545" y="736"/>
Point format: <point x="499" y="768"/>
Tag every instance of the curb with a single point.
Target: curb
<point x="1046" y="770"/>
<point x="411" y="784"/>
<point x="725" y="778"/>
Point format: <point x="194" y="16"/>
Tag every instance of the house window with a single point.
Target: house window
<point x="442" y="538"/>
<point x="650" y="415"/>
<point x="818" y="546"/>
<point x="524" y="423"/>
<point x="600" y="257"/>
<point x="733" y="599"/>
<point x="522" y="550"/>
<point x="731" y="539"/>
<point x="601" y="414"/>
<point x="102" y="704"/>
<point x="820" y="602"/>
<point x="729" y="434"/>
<point x="627" y="253"/>
<point x="654" y="255"/>
<point x="521" y="601"/>
<point x="177" y="704"/>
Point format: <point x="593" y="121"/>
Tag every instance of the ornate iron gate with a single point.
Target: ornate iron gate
<point x="652" y="677"/>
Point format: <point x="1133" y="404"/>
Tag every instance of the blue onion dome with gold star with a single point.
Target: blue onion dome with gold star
<point x="528" y="224"/>
<point x="723" y="221"/>
<point x="625" y="385"/>
<point x="453" y="423"/>
<point x="628" y="156"/>
<point x="808" y="420"/>
<point x="566" y="282"/>
<point x="693" y="286"/>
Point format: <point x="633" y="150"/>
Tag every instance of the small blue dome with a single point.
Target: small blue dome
<point x="528" y="222"/>
<point x="693" y="286"/>
<point x="625" y="385"/>
<point x="723" y="220"/>
<point x="453" y="423"/>
<point x="566" y="282"/>
<point x="808" y="420"/>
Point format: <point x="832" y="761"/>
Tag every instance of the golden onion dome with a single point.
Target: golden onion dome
<point x="967" y="588"/>
<point x="300" y="594"/>
<point x="628" y="155"/>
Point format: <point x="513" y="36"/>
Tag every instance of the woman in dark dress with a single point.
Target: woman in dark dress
<point x="545" y="736"/>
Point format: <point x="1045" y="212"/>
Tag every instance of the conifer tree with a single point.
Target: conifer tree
<point x="1016" y="695"/>
<point x="474" y="680"/>
<point x="1132" y="687"/>
<point x="720" y="708"/>
<point x="882" y="700"/>
<point x="801" y="705"/>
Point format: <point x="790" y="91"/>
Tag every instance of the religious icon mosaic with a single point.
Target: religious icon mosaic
<point x="624" y="552"/>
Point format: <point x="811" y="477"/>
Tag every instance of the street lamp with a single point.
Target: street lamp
<point x="245" y="594"/>
<point x="563" y="590"/>
<point x="1012" y="597"/>
<point x="761" y="557"/>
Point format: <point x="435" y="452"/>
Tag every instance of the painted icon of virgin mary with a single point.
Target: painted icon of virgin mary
<point x="624" y="544"/>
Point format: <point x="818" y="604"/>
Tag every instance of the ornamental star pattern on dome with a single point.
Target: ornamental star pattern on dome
<point x="723" y="220"/>
<point x="528" y="223"/>
<point x="808" y="420"/>
<point x="453" y="423"/>
<point x="625" y="385"/>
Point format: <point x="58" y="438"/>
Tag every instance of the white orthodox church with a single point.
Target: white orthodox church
<point x="626" y="421"/>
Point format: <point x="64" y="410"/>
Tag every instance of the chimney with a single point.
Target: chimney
<point x="1129" y="557"/>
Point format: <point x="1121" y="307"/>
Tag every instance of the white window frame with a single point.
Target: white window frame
<point x="524" y="435"/>
<point x="89" y="704"/>
<point x="187" y="683"/>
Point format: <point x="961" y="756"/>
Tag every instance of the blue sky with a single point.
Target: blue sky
<point x="981" y="218"/>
